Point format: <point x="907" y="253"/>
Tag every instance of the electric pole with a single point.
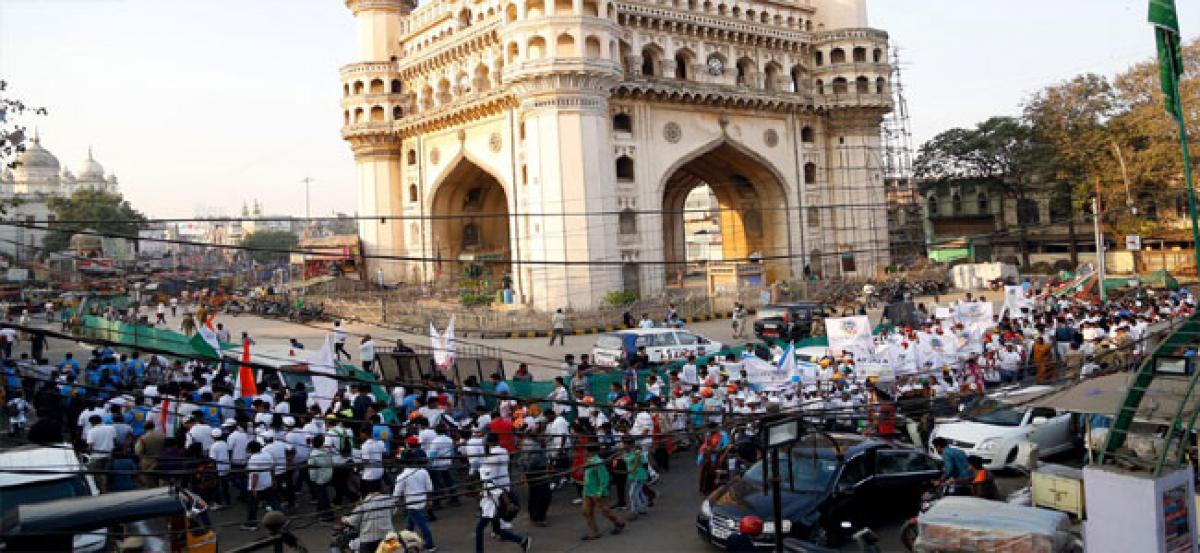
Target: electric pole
<point x="307" y="181"/>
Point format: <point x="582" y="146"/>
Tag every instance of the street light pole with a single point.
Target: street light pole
<point x="306" y="181"/>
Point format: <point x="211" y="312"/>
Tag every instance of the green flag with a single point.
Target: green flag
<point x="1170" y="59"/>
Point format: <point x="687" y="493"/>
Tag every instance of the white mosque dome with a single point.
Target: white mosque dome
<point x="90" y="170"/>
<point x="36" y="164"/>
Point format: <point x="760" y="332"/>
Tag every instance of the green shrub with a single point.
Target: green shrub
<point x="467" y="298"/>
<point x="619" y="298"/>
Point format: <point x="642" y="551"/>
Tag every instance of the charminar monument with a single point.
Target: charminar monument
<point x="556" y="141"/>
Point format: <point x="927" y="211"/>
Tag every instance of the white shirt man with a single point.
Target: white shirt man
<point x="259" y="467"/>
<point x="199" y="433"/>
<point x="688" y="374"/>
<point x="371" y="456"/>
<point x="237" y="442"/>
<point x="474" y="450"/>
<point x="298" y="440"/>
<point x="412" y="489"/>
<point x="440" y="452"/>
<point x="432" y="413"/>
<point x="559" y="433"/>
<point x="219" y="453"/>
<point x="100" y="439"/>
<point x="367" y="351"/>
<point x="339" y="334"/>
<point x="278" y="452"/>
<point x="559" y="395"/>
<point x="494" y="468"/>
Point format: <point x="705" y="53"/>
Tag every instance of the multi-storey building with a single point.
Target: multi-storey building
<point x="557" y="140"/>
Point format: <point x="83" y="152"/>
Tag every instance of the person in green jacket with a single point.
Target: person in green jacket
<point x="595" y="494"/>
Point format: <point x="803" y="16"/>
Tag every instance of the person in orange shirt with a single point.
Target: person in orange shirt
<point x="983" y="485"/>
<point x="1042" y="356"/>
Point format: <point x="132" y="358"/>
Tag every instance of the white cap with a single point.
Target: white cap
<point x="289" y="422"/>
<point x="216" y="433"/>
<point x="230" y="422"/>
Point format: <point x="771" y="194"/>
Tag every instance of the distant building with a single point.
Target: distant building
<point x="37" y="177"/>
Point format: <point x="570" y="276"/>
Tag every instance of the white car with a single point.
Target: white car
<point x="663" y="345"/>
<point x="63" y="478"/>
<point x="992" y="428"/>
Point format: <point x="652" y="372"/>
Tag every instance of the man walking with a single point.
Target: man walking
<point x="366" y="352"/>
<point x="414" y="491"/>
<point x="595" y="495"/>
<point x="339" y="341"/>
<point x="558" y="327"/>
<point x="739" y="321"/>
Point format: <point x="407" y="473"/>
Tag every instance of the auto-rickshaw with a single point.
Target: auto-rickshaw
<point x="166" y="519"/>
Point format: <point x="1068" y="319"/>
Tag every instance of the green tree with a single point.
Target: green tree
<point x="95" y="210"/>
<point x="276" y="243"/>
<point x="1000" y="153"/>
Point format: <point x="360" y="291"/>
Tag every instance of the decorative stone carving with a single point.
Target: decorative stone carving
<point x="434" y="156"/>
<point x="771" y="138"/>
<point x="672" y="133"/>
<point x="494" y="142"/>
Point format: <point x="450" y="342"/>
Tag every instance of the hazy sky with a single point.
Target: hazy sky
<point x="218" y="102"/>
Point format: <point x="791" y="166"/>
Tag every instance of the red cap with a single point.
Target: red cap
<point x="412" y="440"/>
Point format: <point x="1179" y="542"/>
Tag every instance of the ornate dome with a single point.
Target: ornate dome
<point x="90" y="170"/>
<point x="36" y="163"/>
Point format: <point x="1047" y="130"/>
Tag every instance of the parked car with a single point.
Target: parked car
<point x="787" y="321"/>
<point x="64" y="479"/>
<point x="993" y="426"/>
<point x="832" y="485"/>
<point x="663" y="345"/>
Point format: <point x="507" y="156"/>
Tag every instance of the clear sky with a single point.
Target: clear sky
<point x="218" y="102"/>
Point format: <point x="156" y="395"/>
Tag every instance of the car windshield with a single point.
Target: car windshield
<point x="806" y="472"/>
<point x="990" y="411"/>
<point x="291" y="379"/>
<point x="771" y="312"/>
<point x="608" y="341"/>
<point x="45" y="490"/>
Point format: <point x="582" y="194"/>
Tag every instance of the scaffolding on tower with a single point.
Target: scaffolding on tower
<point x="905" y="223"/>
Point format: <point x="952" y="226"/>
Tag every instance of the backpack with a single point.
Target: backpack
<point x="508" y="507"/>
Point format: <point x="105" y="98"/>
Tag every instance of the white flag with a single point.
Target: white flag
<point x="323" y="361"/>
<point x="852" y="334"/>
<point x="787" y="365"/>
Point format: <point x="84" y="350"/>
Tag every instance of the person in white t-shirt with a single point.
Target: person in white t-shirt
<point x="370" y="456"/>
<point x="100" y="439"/>
<point x="339" y="341"/>
<point x="366" y="352"/>
<point x="259" y="484"/>
<point x="413" y="492"/>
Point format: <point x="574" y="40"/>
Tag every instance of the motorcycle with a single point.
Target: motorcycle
<point x="345" y="540"/>
<point x="911" y="528"/>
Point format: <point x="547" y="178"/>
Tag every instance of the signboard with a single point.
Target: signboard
<point x="18" y="275"/>
<point x="850" y="334"/>
<point x="1133" y="242"/>
<point x="1176" y="521"/>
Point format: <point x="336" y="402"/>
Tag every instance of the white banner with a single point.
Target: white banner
<point x="851" y="334"/>
<point x="976" y="318"/>
<point x="323" y="361"/>
<point x="1016" y="305"/>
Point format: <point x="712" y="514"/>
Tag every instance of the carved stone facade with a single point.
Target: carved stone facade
<point x="556" y="140"/>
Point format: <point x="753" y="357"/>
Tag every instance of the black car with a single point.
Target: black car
<point x="787" y="321"/>
<point x="830" y="489"/>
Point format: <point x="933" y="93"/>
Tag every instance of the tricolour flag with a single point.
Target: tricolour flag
<point x="787" y="364"/>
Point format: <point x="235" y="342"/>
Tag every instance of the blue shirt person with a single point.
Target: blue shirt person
<point x="955" y="469"/>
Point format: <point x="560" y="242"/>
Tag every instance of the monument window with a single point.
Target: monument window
<point x="412" y="193"/>
<point x="808" y="25"/>
<point x="592" y="45"/>
<point x="841" y="85"/>
<point x="862" y="85"/>
<point x="932" y="204"/>
<point x="470" y="237"/>
<point x="412" y="157"/>
<point x="807" y="135"/>
<point x="880" y="85"/>
<point x="956" y="205"/>
<point x="625" y="169"/>
<point x="877" y="55"/>
<point x="848" y="263"/>
<point x="837" y="55"/>
<point x="591" y="8"/>
<point x="397" y="86"/>
<point x="681" y="66"/>
<point x="814" y="216"/>
<point x="510" y="13"/>
<point x="981" y="203"/>
<point x="819" y="58"/>
<point x="810" y="173"/>
<point x="346" y="89"/>
<point x="797" y="79"/>
<point x="536" y="48"/>
<point x="377" y="114"/>
<point x="397" y="112"/>
<point x="622" y="122"/>
<point x="860" y="55"/>
<point x="649" y="62"/>
<point x="564" y="46"/>
<point x="771" y="76"/>
<point x="820" y="86"/>
<point x="377" y="86"/>
<point x="627" y="221"/>
<point x="358" y="87"/>
<point x="473" y="198"/>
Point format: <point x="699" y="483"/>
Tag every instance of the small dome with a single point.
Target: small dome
<point x="90" y="170"/>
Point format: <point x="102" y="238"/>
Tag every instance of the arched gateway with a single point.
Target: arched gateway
<point x="557" y="142"/>
<point x="752" y="208"/>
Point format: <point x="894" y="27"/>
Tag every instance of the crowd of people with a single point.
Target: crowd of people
<point x="387" y="461"/>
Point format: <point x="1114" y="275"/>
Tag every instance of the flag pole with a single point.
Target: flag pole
<point x="1187" y="169"/>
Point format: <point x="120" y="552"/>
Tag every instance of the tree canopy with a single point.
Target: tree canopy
<point x="89" y="209"/>
<point x="278" y="241"/>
